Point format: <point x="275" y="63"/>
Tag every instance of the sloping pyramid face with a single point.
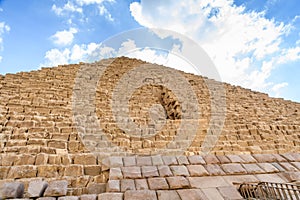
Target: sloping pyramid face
<point x="70" y="122"/>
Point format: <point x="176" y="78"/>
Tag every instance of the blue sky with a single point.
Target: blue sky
<point x="253" y="43"/>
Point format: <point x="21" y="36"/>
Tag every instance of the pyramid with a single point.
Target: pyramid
<point x="123" y="128"/>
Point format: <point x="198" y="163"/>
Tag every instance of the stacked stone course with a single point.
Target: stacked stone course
<point x="39" y="140"/>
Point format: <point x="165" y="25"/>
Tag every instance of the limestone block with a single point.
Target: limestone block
<point x="3" y="172"/>
<point x="179" y="170"/>
<point x="164" y="171"/>
<point x="68" y="198"/>
<point x="197" y="170"/>
<point x="195" y="194"/>
<point x="149" y="171"/>
<point x="110" y="196"/>
<point x="140" y="195"/>
<point x="37" y="188"/>
<point x="59" y="144"/>
<point x="131" y="172"/>
<point x="12" y="190"/>
<point x="196" y="160"/>
<point x="178" y="182"/>
<point x="115" y="173"/>
<point x="143" y="161"/>
<point x="8" y="159"/>
<point x="113" y="186"/>
<point x="92" y="170"/>
<point x="54" y="159"/>
<point x="127" y="184"/>
<point x="88" y="197"/>
<point x="56" y="188"/>
<point x="167" y="195"/>
<point x="41" y="159"/>
<point x="96" y="188"/>
<point x="141" y="184"/>
<point x="28" y="171"/>
<point x="158" y="184"/>
<point x="85" y="159"/>
<point x="157" y="160"/>
<point x="73" y="170"/>
<point x="47" y="171"/>
<point x="129" y="161"/>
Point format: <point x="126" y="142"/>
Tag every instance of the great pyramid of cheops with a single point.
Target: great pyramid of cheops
<point x="125" y="129"/>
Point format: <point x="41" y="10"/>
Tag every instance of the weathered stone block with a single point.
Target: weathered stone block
<point x="127" y="184"/>
<point x="158" y="184"/>
<point x="92" y="170"/>
<point x="47" y="171"/>
<point x="96" y="188"/>
<point x="36" y="188"/>
<point x="88" y="197"/>
<point x="178" y="182"/>
<point x="141" y="184"/>
<point x="113" y="186"/>
<point x="140" y="195"/>
<point x="74" y="170"/>
<point x="12" y="190"/>
<point x="85" y="159"/>
<point x="110" y="196"/>
<point x="168" y="195"/>
<point x="56" y="188"/>
<point x="68" y="198"/>
<point x="22" y="172"/>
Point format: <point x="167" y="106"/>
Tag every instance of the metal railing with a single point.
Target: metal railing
<point x="268" y="191"/>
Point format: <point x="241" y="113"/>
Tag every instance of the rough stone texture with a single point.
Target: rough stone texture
<point x="113" y="186"/>
<point x="149" y="171"/>
<point x="230" y="193"/>
<point x="129" y="161"/>
<point x="39" y="138"/>
<point x="164" y="171"/>
<point x="37" y="188"/>
<point x="141" y="184"/>
<point x="12" y="190"/>
<point x="68" y="198"/>
<point x="132" y="172"/>
<point x="178" y="182"/>
<point x="179" y="170"/>
<point x="192" y="194"/>
<point x="96" y="188"/>
<point x="158" y="184"/>
<point x="56" y="189"/>
<point x="197" y="170"/>
<point x="115" y="174"/>
<point x="127" y="184"/>
<point x="46" y="198"/>
<point x="140" y="195"/>
<point x="196" y="160"/>
<point x="110" y="196"/>
<point x="207" y="182"/>
<point x="212" y="193"/>
<point x="233" y="169"/>
<point x="168" y="195"/>
<point x="88" y="197"/>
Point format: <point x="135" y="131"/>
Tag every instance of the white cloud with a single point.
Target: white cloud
<point x="104" y="12"/>
<point x="68" y="7"/>
<point x="291" y="54"/>
<point x="56" y="57"/>
<point x="245" y="46"/>
<point x="89" y="2"/>
<point x="4" y="28"/>
<point x="276" y="88"/>
<point x="64" y="37"/>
